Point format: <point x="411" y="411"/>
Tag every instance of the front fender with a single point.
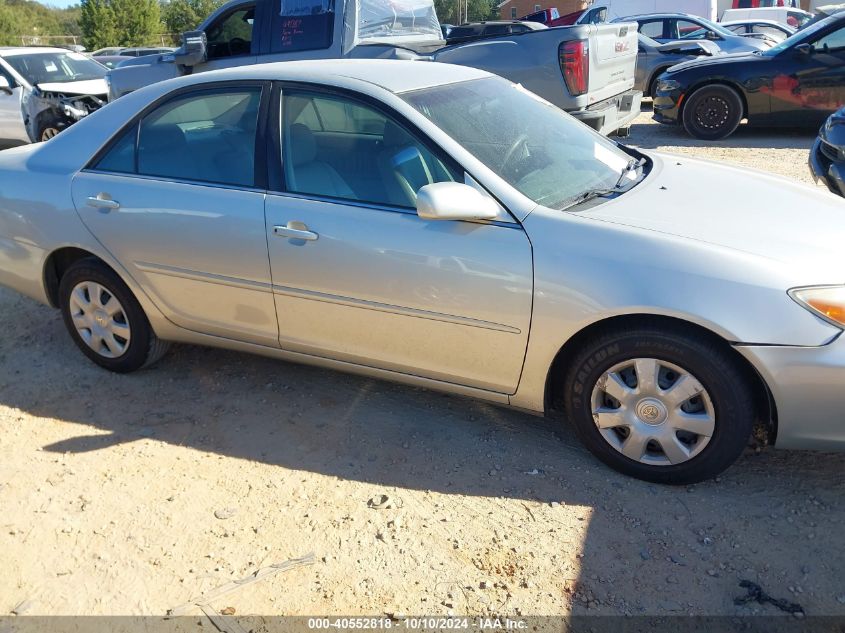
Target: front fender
<point x="586" y="272"/>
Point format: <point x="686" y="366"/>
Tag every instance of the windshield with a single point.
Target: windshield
<point x="38" y="68"/>
<point x="534" y="146"/>
<point x="807" y="34"/>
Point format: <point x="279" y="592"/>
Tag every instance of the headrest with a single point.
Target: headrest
<point x="303" y="146"/>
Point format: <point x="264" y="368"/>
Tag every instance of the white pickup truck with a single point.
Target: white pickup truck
<point x="587" y="70"/>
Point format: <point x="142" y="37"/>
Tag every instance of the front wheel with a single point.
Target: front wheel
<point x="712" y="112"/>
<point x="105" y="320"/>
<point x="661" y="406"/>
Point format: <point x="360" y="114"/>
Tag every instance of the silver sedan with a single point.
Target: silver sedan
<point x="439" y="226"/>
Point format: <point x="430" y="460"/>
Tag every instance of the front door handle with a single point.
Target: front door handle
<point x="102" y="201"/>
<point x="296" y="231"/>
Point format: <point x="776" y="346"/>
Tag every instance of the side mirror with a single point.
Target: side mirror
<point x="193" y="50"/>
<point x="454" y="201"/>
<point x="4" y="85"/>
<point x="805" y="49"/>
<point x="712" y="36"/>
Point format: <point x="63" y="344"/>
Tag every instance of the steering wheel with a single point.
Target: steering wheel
<point x="238" y="46"/>
<point x="520" y="141"/>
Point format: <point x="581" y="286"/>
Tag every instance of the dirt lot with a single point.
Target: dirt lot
<point x="131" y="494"/>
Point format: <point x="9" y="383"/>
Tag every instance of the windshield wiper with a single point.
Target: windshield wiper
<point x="622" y="185"/>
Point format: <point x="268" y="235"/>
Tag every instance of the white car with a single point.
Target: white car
<point x="440" y="226"/>
<point x="775" y="32"/>
<point x="44" y="90"/>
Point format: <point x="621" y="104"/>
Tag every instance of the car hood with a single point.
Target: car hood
<point x="740" y="209"/>
<point x="87" y="87"/>
<point x="727" y="58"/>
<point x="833" y="131"/>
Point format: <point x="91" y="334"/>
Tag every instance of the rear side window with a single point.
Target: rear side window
<point x="205" y="137"/>
<point x="653" y="29"/>
<point x="496" y="29"/>
<point x="303" y="25"/>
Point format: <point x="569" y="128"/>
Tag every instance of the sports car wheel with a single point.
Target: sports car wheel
<point x="105" y="320"/>
<point x="712" y="112"/>
<point x="661" y="406"/>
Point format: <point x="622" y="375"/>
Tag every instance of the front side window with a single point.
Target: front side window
<point x="687" y="30"/>
<point x="231" y="35"/>
<point x="208" y="137"/>
<point x="543" y="153"/>
<point x="39" y="68"/>
<point x="338" y="147"/>
<point x="832" y="42"/>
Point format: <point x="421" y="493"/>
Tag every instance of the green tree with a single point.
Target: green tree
<point x="119" y="22"/>
<point x="185" y="15"/>
<point x="447" y="10"/>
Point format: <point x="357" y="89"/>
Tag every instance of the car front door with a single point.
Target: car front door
<point x="810" y="84"/>
<point x="178" y="201"/>
<point x="11" y="117"/>
<point x="358" y="276"/>
<point x="231" y="39"/>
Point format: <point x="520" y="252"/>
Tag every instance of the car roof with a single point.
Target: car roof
<point x="396" y="76"/>
<point x="640" y="16"/>
<point x="10" y="51"/>
<point x="755" y="21"/>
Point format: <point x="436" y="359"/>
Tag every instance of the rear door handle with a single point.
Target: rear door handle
<point x="296" y="231"/>
<point x="102" y="201"/>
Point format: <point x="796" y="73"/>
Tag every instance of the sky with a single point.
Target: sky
<point x="59" y="3"/>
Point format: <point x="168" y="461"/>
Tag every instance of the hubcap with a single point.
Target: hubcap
<point x="653" y="412"/>
<point x="99" y="319"/>
<point x="48" y="133"/>
<point x="712" y="112"/>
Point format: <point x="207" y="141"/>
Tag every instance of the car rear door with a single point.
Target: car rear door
<point x="359" y="277"/>
<point x="178" y="199"/>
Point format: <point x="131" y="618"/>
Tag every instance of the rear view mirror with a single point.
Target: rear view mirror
<point x="4" y="85"/>
<point x="455" y="201"/>
<point x="804" y="49"/>
<point x="193" y="49"/>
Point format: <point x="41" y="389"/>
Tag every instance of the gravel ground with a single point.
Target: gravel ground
<point x="131" y="494"/>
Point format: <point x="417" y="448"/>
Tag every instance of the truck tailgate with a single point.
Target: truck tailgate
<point x="613" y="60"/>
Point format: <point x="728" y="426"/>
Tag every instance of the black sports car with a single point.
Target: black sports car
<point x="827" y="159"/>
<point x="797" y="83"/>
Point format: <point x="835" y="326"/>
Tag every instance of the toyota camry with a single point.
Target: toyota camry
<point x="440" y="226"/>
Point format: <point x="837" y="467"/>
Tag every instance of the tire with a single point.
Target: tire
<point x="712" y="112"/>
<point x="658" y="434"/>
<point x="105" y="319"/>
<point x="48" y="127"/>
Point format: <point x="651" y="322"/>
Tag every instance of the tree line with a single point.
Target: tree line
<point x="101" y="23"/>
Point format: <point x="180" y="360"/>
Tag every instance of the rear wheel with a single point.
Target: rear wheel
<point x="661" y="406"/>
<point x="712" y="112"/>
<point x="105" y="320"/>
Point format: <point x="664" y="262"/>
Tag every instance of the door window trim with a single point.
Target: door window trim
<point x="275" y="156"/>
<point x="260" y="159"/>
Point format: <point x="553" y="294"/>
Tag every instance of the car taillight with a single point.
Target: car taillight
<point x="574" y="60"/>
